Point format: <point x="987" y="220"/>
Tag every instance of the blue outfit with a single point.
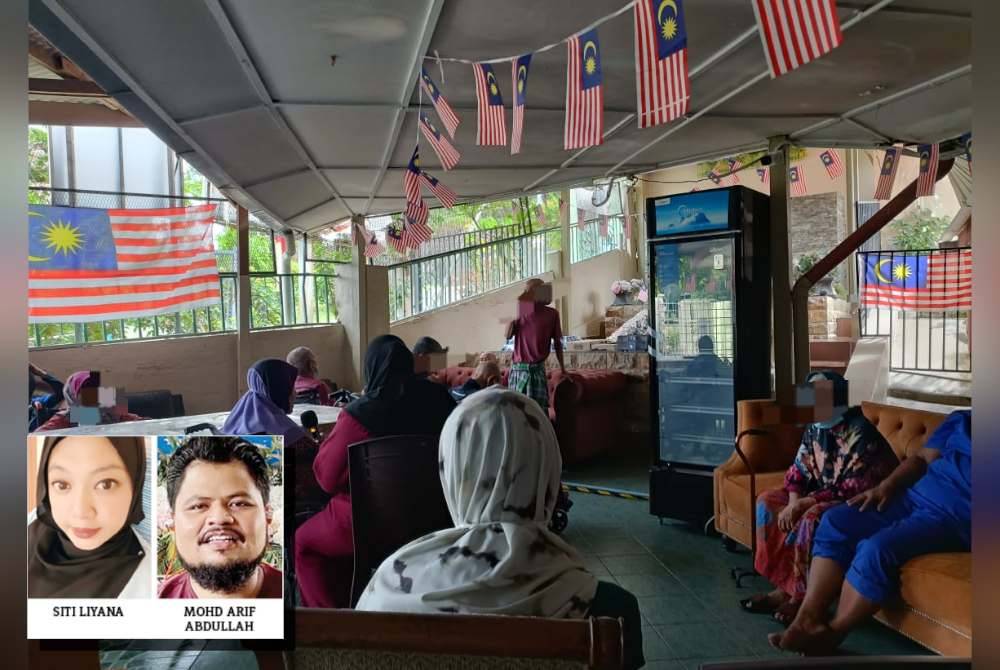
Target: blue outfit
<point x="460" y="393"/>
<point x="932" y="516"/>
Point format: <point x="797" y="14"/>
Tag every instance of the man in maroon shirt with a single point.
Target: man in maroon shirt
<point x="218" y="490"/>
<point x="536" y="331"/>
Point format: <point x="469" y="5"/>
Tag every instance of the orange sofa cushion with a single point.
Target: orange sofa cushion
<point x="940" y="586"/>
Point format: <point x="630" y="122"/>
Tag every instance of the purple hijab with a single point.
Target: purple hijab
<point x="264" y="408"/>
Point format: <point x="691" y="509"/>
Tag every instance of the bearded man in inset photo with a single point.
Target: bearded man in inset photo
<point x="218" y="491"/>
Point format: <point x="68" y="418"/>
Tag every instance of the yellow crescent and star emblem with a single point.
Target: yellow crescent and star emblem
<point x="590" y="62"/>
<point x="900" y="271"/>
<point x="522" y="74"/>
<point x="59" y="237"/>
<point x="925" y="159"/>
<point x="668" y="24"/>
<point x="492" y="81"/>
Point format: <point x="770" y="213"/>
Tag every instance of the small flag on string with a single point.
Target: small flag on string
<point x="444" y="194"/>
<point x="581" y="216"/>
<point x="795" y="32"/>
<point x="394" y="236"/>
<point x="416" y="233"/>
<point x="603" y="225"/>
<point x="446" y="153"/>
<point x="584" y="92"/>
<point x="765" y="176"/>
<point x="797" y="179"/>
<point x="491" y="127"/>
<point x="411" y="178"/>
<point x="928" y="169"/>
<point x="662" y="83"/>
<point x="887" y="175"/>
<point x="832" y="163"/>
<point x="372" y="247"/>
<point x="714" y="176"/>
<point x="519" y="72"/>
<point x="734" y="165"/>
<point x="417" y="211"/>
<point x="966" y="141"/>
<point x="444" y="110"/>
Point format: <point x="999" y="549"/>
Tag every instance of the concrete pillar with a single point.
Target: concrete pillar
<point x="352" y="289"/>
<point x="14" y="254"/>
<point x="781" y="297"/>
<point x="566" y="261"/>
<point x="244" y="356"/>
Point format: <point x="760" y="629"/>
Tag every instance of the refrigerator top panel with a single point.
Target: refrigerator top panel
<point x="697" y="212"/>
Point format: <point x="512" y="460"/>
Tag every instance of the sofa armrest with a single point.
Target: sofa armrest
<point x="769" y="447"/>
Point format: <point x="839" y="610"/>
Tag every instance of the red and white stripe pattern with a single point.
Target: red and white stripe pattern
<point x="394" y="236"/>
<point x="446" y="153"/>
<point x="831" y="161"/>
<point x="797" y="180"/>
<point x="517" y="129"/>
<point x="795" y="32"/>
<point x="948" y="287"/>
<point x="447" y="115"/>
<point x="584" y="108"/>
<point x="928" y="169"/>
<point x="734" y="165"/>
<point x="445" y="195"/>
<point x="491" y="126"/>
<point x="663" y="87"/>
<point x="372" y="248"/>
<point x="417" y="211"/>
<point x="166" y="263"/>
<point x="764" y="174"/>
<point x="887" y="176"/>
<point x="416" y="233"/>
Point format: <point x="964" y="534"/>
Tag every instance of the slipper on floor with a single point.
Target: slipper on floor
<point x="757" y="605"/>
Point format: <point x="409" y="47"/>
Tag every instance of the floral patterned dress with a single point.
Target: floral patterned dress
<point x="832" y="465"/>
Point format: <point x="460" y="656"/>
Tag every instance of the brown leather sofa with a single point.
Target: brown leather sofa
<point x="935" y="608"/>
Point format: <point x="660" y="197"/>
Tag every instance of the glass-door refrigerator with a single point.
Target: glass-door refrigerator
<point x="711" y="345"/>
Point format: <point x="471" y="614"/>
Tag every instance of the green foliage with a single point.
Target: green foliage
<point x="721" y="166"/>
<point x="38" y="164"/>
<point x="918" y="229"/>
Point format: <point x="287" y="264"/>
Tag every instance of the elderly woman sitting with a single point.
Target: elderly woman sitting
<point x="72" y="404"/>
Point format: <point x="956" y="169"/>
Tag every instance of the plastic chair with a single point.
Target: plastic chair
<point x="152" y="404"/>
<point x="396" y="497"/>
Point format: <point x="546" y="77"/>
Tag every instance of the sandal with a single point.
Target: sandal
<point x="786" y="613"/>
<point x="758" y="604"/>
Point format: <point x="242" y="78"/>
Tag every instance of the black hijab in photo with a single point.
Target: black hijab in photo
<point x="396" y="401"/>
<point x="57" y="568"/>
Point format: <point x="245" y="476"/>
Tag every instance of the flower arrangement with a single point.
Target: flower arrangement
<point x="626" y="289"/>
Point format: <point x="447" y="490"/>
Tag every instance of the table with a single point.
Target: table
<point x="175" y="425"/>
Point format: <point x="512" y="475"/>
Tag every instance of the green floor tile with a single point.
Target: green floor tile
<point x="694" y="640"/>
<point x="651" y="585"/>
<point x="636" y="564"/>
<point x="653" y="646"/>
<point x="674" y="609"/>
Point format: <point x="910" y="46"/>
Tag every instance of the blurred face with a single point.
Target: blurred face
<point x="89" y="489"/>
<point x="219" y="516"/>
<point x="421" y="363"/>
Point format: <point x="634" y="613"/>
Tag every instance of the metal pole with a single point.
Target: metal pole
<point x="781" y="299"/>
<point x="243" y="297"/>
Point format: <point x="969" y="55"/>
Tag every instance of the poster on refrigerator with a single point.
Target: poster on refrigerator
<point x="691" y="212"/>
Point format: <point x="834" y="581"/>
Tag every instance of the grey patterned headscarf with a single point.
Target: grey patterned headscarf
<point x="500" y="468"/>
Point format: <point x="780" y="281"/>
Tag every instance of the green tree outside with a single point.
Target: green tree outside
<point x="918" y="229"/>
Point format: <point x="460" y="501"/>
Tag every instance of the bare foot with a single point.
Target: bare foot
<point x="785" y="614"/>
<point x="808" y="637"/>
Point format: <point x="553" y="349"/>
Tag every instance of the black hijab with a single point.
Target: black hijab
<point x="56" y="568"/>
<point x="279" y="380"/>
<point x="396" y="401"/>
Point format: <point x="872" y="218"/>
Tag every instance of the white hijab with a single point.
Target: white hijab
<point x="500" y="469"/>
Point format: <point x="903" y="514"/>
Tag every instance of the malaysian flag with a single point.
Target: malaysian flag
<point x="940" y="280"/>
<point x="519" y="72"/>
<point x="661" y="69"/>
<point x="887" y="176"/>
<point x="444" y="194"/>
<point x="734" y="165"/>
<point x="442" y="147"/>
<point x="491" y="128"/>
<point x="417" y="211"/>
<point x="928" y="169"/>
<point x="795" y="32"/>
<point x="765" y="176"/>
<point x="416" y="233"/>
<point x="394" y="236"/>
<point x="89" y="265"/>
<point x="832" y="163"/>
<point x="797" y="180"/>
<point x="372" y="248"/>
<point x="584" y="93"/>
<point x="714" y="176"/>
<point x="444" y="110"/>
<point x="411" y="178"/>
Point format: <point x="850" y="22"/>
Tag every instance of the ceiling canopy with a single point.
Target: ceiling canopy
<point x="305" y="111"/>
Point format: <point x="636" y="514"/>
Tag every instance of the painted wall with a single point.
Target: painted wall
<point x="202" y="369"/>
<point x="590" y="290"/>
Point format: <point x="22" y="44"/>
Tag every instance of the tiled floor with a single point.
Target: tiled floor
<point x="626" y="469"/>
<point x="687" y="597"/>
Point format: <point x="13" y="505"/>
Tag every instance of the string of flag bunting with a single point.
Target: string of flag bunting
<point x="793" y="33"/>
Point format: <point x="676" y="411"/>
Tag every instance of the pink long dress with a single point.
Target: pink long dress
<point x="324" y="545"/>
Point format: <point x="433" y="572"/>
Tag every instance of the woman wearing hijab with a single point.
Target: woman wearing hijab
<point x="395" y="402"/>
<point x="500" y="467"/>
<point x="837" y="460"/>
<point x="264" y="408"/>
<point x="75" y="383"/>
<point x="82" y="540"/>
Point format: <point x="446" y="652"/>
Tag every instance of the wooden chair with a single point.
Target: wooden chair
<point x="396" y="497"/>
<point x="362" y="640"/>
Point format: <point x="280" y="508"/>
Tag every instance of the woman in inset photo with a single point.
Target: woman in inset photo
<point x="83" y="540"/>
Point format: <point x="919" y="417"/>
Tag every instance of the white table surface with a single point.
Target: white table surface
<point x="175" y="426"/>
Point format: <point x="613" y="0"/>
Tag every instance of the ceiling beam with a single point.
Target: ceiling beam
<point x="55" y="62"/>
<point x="69" y="87"/>
<point x="846" y="25"/>
<point x="881" y="102"/>
<point x="257" y="83"/>
<point x="423" y="43"/>
<point x="71" y="23"/>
